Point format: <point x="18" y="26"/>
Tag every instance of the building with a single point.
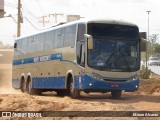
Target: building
<point x="2" y="12"/>
<point x="72" y="18"/>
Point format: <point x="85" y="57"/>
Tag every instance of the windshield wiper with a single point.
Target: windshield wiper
<point x="111" y="55"/>
<point x="126" y="63"/>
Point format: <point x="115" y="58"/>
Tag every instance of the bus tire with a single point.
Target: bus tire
<point x="74" y="93"/>
<point x="23" y="85"/>
<point x="61" y="93"/>
<point x="31" y="90"/>
<point x="38" y="92"/>
<point x="116" y="94"/>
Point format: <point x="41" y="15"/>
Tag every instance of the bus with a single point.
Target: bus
<point x="95" y="55"/>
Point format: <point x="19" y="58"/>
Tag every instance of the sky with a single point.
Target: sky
<point x="127" y="10"/>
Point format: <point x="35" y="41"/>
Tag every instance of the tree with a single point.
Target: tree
<point x="157" y="48"/>
<point x="154" y="45"/>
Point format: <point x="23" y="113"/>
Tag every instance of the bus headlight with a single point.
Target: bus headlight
<point x="95" y="76"/>
<point x="133" y="78"/>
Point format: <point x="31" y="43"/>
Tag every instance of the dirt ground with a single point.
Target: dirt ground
<point x="146" y="99"/>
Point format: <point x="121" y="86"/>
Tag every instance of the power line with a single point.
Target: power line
<point x="41" y="7"/>
<point x="24" y="11"/>
<point x="28" y="10"/>
<point x="31" y="24"/>
<point x="11" y="3"/>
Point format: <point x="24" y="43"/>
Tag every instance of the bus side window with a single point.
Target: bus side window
<point x="70" y="35"/>
<point x="78" y="53"/>
<point x="31" y="44"/>
<point x="48" y="41"/>
<point x="40" y="43"/>
<point x="58" y="38"/>
<point x="81" y="53"/>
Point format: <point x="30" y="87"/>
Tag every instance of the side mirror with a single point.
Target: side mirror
<point x="15" y="45"/>
<point x="89" y="40"/>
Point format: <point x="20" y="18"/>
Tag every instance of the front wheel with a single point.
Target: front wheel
<point x="116" y="94"/>
<point x="74" y="93"/>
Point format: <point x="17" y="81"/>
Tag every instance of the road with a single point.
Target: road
<point x="155" y="69"/>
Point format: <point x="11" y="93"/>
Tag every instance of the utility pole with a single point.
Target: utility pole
<point x="147" y="42"/>
<point x="55" y="15"/>
<point x="43" y="20"/>
<point x="19" y="19"/>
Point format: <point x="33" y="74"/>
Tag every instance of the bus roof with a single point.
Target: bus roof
<point x="109" y="21"/>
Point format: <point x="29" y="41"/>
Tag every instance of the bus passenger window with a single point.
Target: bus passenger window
<point x="78" y="52"/>
<point x="58" y="38"/>
<point x="70" y="35"/>
<point x="31" y="44"/>
<point x="81" y="53"/>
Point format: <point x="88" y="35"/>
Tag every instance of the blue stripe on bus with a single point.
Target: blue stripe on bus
<point x="48" y="82"/>
<point x="83" y="82"/>
<point x="86" y="83"/>
<point x="38" y="59"/>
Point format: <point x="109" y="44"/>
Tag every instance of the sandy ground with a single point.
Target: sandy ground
<point x="146" y="99"/>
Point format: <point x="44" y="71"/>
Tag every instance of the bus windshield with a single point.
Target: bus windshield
<point x="114" y="50"/>
<point x="113" y="54"/>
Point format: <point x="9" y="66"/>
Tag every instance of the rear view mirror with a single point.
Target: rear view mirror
<point x="15" y="45"/>
<point x="89" y="40"/>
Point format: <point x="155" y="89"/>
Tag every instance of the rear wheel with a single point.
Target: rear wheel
<point x="23" y="86"/>
<point x="74" y="93"/>
<point x="116" y="94"/>
<point x="31" y="90"/>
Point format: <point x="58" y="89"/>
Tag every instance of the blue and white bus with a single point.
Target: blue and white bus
<point x="85" y="55"/>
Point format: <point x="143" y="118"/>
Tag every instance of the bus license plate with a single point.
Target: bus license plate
<point x="115" y="85"/>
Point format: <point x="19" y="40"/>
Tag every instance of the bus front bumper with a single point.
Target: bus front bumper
<point x="87" y="83"/>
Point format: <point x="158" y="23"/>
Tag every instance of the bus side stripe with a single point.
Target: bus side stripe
<point x="38" y="59"/>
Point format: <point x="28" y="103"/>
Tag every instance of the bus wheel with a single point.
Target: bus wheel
<point x="74" y="93"/>
<point x="61" y="93"/>
<point x="116" y="94"/>
<point x="31" y="90"/>
<point x="23" y="86"/>
<point x="38" y="92"/>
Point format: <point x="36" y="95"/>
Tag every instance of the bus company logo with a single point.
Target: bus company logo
<point x="45" y="58"/>
<point x="36" y="59"/>
<point x="42" y="58"/>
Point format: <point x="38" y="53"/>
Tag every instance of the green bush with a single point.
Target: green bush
<point x="145" y="73"/>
